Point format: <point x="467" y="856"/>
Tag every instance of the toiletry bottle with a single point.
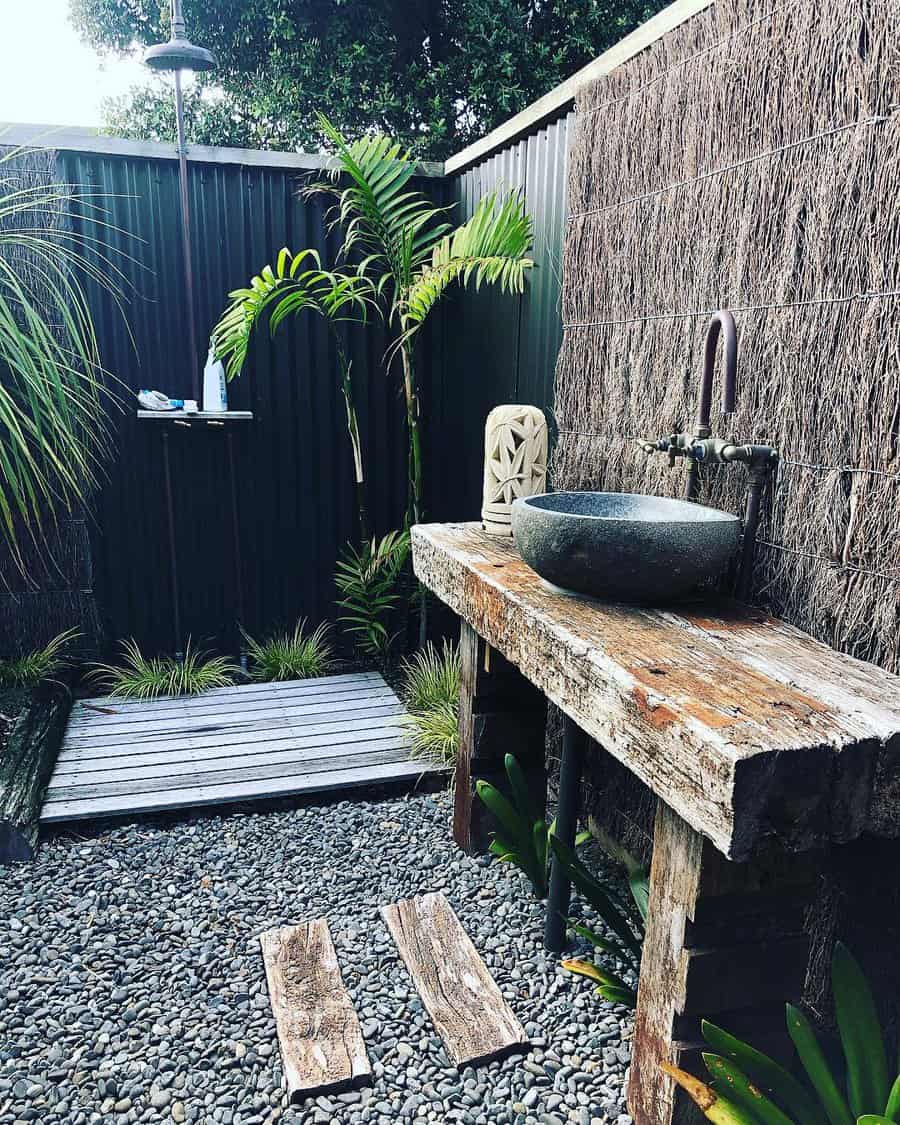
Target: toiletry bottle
<point x="215" y="397"/>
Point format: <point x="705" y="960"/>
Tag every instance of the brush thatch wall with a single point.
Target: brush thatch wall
<point x="751" y="159"/>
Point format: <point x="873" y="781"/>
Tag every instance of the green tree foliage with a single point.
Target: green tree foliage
<point x="435" y="74"/>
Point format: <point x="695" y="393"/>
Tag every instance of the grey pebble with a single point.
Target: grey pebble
<point x="134" y="990"/>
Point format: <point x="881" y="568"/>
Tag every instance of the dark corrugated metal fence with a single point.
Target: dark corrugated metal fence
<point x="498" y="348"/>
<point x="295" y="492"/>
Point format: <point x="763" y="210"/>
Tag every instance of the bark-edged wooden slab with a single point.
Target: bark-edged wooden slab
<point x="459" y="994"/>
<point x="745" y="726"/>
<point x="318" y="1030"/>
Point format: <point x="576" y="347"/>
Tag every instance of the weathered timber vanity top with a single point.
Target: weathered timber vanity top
<point x="743" y="725"/>
<point x="765" y="748"/>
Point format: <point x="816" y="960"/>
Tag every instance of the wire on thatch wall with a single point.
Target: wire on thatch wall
<point x="751" y="159"/>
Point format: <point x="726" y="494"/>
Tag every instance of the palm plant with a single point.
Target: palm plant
<point x="297" y="283"/>
<point x="52" y="431"/>
<point x="413" y="255"/>
<point x="368" y="580"/>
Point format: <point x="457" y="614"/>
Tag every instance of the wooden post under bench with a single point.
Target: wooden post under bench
<point x="500" y="712"/>
<point x="762" y="745"/>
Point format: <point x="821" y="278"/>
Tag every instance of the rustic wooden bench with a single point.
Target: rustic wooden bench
<point x="761" y="744"/>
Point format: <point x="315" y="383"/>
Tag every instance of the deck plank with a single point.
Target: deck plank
<point x="233" y="690"/>
<point x="101" y="712"/>
<point x="200" y="720"/>
<point x="127" y="754"/>
<point x="402" y="769"/>
<point x="319" y="1035"/>
<point x="310" y="758"/>
<point x="293" y="737"/>
<point x="460" y="995"/>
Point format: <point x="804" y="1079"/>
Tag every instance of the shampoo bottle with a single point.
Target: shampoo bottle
<point x="215" y="397"/>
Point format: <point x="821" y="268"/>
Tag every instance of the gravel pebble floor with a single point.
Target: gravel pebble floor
<point x="132" y="987"/>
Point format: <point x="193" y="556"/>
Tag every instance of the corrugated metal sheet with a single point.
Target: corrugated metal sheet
<point x="499" y="348"/>
<point x="295" y="495"/>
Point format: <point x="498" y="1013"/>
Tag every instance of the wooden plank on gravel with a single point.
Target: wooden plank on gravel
<point x="459" y="993"/>
<point x="363" y="774"/>
<point x="127" y="754"/>
<point x="235" y="691"/>
<point x="234" y="717"/>
<point x="319" y="1035"/>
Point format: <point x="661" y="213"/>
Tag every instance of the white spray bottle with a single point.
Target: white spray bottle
<point x="215" y="396"/>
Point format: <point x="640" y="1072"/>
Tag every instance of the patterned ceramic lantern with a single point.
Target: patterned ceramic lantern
<point x="515" y="462"/>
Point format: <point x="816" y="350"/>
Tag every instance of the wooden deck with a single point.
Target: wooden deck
<point x="231" y="744"/>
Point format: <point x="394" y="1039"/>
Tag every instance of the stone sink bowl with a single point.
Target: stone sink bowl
<point x="624" y="547"/>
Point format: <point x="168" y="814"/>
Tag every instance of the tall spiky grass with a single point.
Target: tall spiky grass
<point x="41" y="664"/>
<point x="140" y="677"/>
<point x="431" y="693"/>
<point x="53" y="433"/>
<point x="295" y="655"/>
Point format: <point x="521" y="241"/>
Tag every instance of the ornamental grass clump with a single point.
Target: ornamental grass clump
<point x="139" y="677"/>
<point x="431" y="694"/>
<point x="295" y="655"/>
<point x="41" y="664"/>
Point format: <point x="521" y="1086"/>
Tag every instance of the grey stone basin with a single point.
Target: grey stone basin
<point x="624" y="547"/>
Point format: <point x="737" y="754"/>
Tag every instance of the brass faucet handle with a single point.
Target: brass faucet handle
<point x="649" y="446"/>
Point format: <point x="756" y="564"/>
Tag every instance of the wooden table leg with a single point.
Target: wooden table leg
<point x="500" y="712"/>
<point x="724" y="941"/>
<point x="573" y="745"/>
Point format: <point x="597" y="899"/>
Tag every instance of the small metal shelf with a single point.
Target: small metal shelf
<point x="207" y="417"/>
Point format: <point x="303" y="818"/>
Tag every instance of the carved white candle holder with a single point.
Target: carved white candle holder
<point x="515" y="462"/>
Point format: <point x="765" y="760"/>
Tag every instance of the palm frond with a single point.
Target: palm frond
<point x="490" y="248"/>
<point x="394" y="226"/>
<point x="296" y="282"/>
<point x="368" y="579"/>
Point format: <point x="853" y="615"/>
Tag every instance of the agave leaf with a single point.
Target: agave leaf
<point x="599" y="942"/>
<point x="717" y="1109"/>
<point x="816" y="1067"/>
<point x="596" y="895"/>
<point x="639" y="882"/>
<point x="519" y="787"/>
<point x="767" y="1073"/>
<point x="868" y="1085"/>
<point x="731" y="1081"/>
<point x="593" y="972"/>
<point x="503" y="811"/>
<point x="874" y="1119"/>
<point x="626" y="996"/>
<point x="892" y="1110"/>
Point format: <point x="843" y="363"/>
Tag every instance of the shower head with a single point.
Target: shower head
<point x="179" y="53"/>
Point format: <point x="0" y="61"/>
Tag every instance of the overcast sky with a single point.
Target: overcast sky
<point x="48" y="75"/>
